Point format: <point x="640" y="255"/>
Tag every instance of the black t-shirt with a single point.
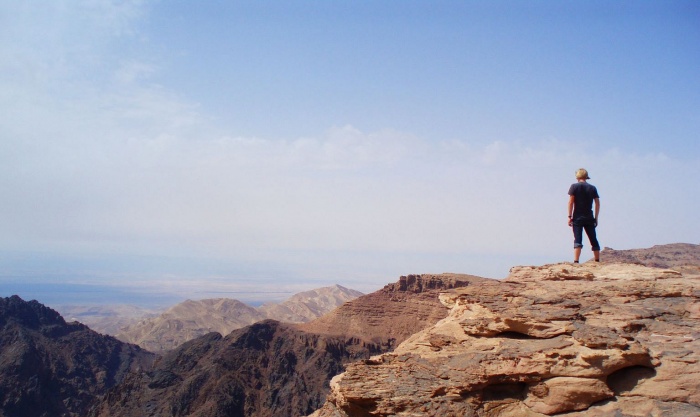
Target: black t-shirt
<point x="584" y="194"/>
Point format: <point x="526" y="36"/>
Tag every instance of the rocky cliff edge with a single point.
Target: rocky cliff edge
<point x="585" y="340"/>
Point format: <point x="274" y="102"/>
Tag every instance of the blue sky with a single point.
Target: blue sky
<point x="219" y="147"/>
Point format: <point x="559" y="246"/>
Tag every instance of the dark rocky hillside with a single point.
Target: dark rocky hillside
<point x="264" y="370"/>
<point x="52" y="368"/>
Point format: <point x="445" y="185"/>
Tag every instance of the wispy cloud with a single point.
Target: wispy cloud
<point x="127" y="167"/>
<point x="342" y="190"/>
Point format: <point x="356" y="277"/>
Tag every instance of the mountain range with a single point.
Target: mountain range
<point x="191" y="319"/>
<point x="595" y="339"/>
<point x="278" y="369"/>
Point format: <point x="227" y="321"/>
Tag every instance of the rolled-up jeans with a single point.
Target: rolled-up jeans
<point x="589" y="226"/>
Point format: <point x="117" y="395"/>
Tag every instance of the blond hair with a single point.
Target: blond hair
<point x="582" y="174"/>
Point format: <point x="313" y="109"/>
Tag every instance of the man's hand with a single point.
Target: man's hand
<point x="571" y="222"/>
<point x="595" y="223"/>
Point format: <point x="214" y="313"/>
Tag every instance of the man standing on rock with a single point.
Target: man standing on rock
<point x="582" y="195"/>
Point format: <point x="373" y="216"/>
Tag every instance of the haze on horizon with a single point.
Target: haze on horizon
<point x="174" y="147"/>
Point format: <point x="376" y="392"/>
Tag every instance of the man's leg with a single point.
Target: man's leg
<point x="595" y="246"/>
<point x="578" y="239"/>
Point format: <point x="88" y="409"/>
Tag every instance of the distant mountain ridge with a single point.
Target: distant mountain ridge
<point x="191" y="319"/>
<point x="682" y="257"/>
<point x="106" y="319"/>
<point x="308" y="305"/>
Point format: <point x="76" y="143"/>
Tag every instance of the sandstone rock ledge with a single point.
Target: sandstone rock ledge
<point x="585" y="340"/>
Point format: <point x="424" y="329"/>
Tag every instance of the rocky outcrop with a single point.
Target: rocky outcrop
<point x="596" y="339"/>
<point x="52" y="368"/>
<point x="387" y="317"/>
<point x="191" y="319"/>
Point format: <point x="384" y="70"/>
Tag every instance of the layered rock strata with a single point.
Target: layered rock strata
<point x="385" y="318"/>
<point x="585" y="340"/>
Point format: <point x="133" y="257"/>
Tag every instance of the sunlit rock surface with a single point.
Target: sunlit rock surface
<point x="595" y="339"/>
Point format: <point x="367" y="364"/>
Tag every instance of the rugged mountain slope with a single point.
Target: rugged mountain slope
<point x="682" y="257"/>
<point x="267" y="369"/>
<point x="52" y="368"/>
<point x="581" y="340"/>
<point x="309" y="305"/>
<point x="390" y="315"/>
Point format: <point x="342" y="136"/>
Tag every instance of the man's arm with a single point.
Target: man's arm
<point x="596" y="202"/>
<point x="571" y="209"/>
